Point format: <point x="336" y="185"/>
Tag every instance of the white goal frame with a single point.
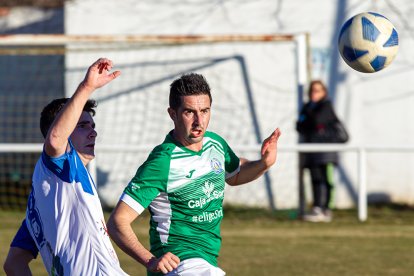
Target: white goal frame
<point x="56" y="44"/>
<point x="301" y="40"/>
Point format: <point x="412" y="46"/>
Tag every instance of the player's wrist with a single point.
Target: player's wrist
<point x="84" y="86"/>
<point x="264" y="165"/>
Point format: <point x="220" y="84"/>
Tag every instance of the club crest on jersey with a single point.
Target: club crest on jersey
<point x="216" y="165"/>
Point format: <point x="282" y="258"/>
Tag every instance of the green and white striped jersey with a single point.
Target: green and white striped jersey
<point x="184" y="191"/>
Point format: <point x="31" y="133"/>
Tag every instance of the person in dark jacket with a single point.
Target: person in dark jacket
<point x="314" y="125"/>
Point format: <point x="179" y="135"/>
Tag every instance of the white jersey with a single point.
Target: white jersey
<point x="65" y="219"/>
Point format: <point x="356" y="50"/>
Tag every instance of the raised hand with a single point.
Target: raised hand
<point x="166" y="263"/>
<point x="98" y="74"/>
<point x="65" y="122"/>
<point x="269" y="148"/>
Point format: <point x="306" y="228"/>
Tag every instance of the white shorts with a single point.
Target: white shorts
<point x="196" y="267"/>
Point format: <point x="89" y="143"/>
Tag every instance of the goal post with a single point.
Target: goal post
<point x="257" y="83"/>
<point x="63" y="40"/>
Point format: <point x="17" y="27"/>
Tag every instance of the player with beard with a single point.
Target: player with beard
<point x="182" y="183"/>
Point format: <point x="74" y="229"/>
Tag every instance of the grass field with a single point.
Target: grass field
<point x="257" y="242"/>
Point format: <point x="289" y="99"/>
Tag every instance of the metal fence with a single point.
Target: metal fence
<point x="360" y="150"/>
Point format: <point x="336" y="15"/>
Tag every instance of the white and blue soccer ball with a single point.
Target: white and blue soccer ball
<point x="368" y="42"/>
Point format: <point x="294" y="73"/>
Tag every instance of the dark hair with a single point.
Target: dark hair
<point x="51" y="110"/>
<point x="312" y="83"/>
<point x="188" y="85"/>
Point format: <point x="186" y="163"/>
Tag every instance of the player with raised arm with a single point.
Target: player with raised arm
<point x="182" y="183"/>
<point x="64" y="218"/>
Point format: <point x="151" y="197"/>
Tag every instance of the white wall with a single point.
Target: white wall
<point x="375" y="107"/>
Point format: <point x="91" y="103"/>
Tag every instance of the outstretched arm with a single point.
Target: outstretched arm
<point x="64" y="124"/>
<point x="250" y="170"/>
<point x="120" y="230"/>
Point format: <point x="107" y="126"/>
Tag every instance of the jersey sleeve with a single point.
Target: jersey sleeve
<point x="62" y="166"/>
<point x="149" y="181"/>
<point x="231" y="162"/>
<point x="69" y="167"/>
<point x="24" y="240"/>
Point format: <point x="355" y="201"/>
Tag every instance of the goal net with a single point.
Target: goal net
<point x="254" y="82"/>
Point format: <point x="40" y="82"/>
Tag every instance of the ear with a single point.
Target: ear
<point x="172" y="113"/>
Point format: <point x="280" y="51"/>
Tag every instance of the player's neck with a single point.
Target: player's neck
<point x="85" y="159"/>
<point x="196" y="147"/>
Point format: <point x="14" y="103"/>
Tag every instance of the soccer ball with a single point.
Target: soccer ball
<point x="368" y="42"/>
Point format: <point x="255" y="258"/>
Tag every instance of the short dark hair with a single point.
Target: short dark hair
<point x="188" y="85"/>
<point x="51" y="110"/>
